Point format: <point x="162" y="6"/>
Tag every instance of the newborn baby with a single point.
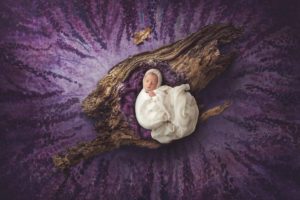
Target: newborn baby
<point x="170" y="113"/>
<point x="150" y="83"/>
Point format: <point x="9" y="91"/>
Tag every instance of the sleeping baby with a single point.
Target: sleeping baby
<point x="170" y="113"/>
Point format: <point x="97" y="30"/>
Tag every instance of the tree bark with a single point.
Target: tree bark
<point x="197" y="57"/>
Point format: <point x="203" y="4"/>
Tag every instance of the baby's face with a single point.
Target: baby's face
<point x="150" y="82"/>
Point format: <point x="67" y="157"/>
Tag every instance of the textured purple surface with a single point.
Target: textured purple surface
<point x="53" y="53"/>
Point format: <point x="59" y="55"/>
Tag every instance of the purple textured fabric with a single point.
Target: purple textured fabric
<point x="53" y="53"/>
<point x="133" y="85"/>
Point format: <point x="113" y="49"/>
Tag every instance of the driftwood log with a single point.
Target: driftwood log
<point x="197" y="57"/>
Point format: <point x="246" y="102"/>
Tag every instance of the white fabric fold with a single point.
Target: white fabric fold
<point x="170" y="115"/>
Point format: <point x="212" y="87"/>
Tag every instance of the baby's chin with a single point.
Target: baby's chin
<point x="148" y="90"/>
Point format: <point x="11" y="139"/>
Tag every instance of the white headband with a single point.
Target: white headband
<point x="157" y="73"/>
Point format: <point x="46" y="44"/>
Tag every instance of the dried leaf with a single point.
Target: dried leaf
<point x="141" y="36"/>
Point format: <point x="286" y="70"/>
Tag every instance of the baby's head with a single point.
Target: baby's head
<point x="152" y="80"/>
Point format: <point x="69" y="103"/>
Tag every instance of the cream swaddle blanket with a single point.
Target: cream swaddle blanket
<point x="170" y="115"/>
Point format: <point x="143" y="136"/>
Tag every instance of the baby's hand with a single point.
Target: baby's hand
<point x="151" y="94"/>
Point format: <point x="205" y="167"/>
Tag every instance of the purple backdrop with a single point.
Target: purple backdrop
<point x="54" y="52"/>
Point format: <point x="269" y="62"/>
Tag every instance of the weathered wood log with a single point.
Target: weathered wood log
<point x="107" y="141"/>
<point x="197" y="57"/>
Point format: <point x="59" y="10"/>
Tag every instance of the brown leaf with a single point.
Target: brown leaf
<point x="141" y="36"/>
